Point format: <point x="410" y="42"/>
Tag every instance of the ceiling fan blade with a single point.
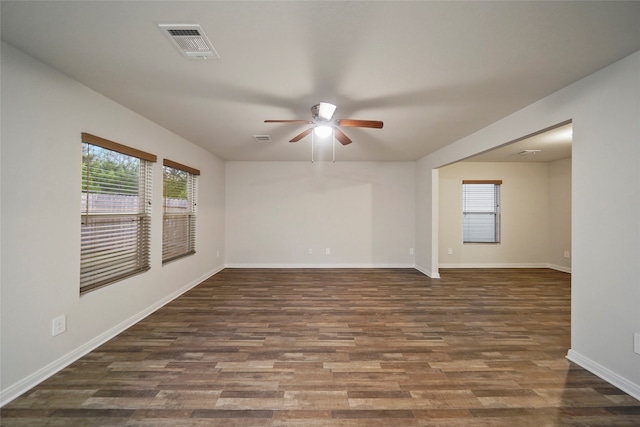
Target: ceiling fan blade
<point x="289" y="121"/>
<point x="376" y="124"/>
<point x="341" y="137"/>
<point x="301" y="135"/>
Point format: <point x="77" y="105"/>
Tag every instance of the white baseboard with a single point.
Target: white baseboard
<point x="508" y="265"/>
<point x="427" y="273"/>
<point x="417" y="267"/>
<point x="496" y="265"/>
<point x="609" y="376"/>
<point x="15" y="390"/>
<point x="276" y="265"/>
<point x="560" y="268"/>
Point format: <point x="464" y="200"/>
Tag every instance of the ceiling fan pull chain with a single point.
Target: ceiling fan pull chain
<point x="312" y="138"/>
<point x="333" y="141"/>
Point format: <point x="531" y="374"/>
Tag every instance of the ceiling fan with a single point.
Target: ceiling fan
<point x="322" y="115"/>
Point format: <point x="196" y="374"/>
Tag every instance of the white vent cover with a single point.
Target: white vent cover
<point x="262" y="138"/>
<point x="528" y="152"/>
<point x="190" y="40"/>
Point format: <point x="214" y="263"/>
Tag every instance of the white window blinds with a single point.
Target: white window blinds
<point x="116" y="212"/>
<point x="481" y="211"/>
<point x="179" y="210"/>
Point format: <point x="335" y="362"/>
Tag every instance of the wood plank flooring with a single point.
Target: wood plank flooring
<point x="348" y="347"/>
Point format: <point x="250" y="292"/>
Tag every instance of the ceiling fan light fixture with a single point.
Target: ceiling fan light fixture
<point x="325" y="111"/>
<point x="324" y="126"/>
<point x="322" y="131"/>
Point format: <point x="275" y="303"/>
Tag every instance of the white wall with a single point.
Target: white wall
<point x="524" y="216"/>
<point x="43" y="115"/>
<point x="362" y="211"/>
<point x="427" y="220"/>
<point x="560" y="214"/>
<point x="605" y="109"/>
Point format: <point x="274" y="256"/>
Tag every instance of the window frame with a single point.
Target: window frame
<point x="495" y="212"/>
<point x="182" y="223"/>
<point x="98" y="270"/>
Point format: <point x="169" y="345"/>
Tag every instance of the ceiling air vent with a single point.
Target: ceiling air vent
<point x="190" y="40"/>
<point x="262" y="138"/>
<point x="528" y="152"/>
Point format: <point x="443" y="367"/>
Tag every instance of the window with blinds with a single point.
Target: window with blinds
<point x="481" y="211"/>
<point x="179" y="211"/>
<point x="116" y="212"/>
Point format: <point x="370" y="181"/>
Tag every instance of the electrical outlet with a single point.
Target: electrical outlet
<point x="567" y="254"/>
<point x="327" y="251"/>
<point x="310" y="251"/>
<point x="450" y="251"/>
<point x="411" y="251"/>
<point x="218" y="254"/>
<point x="59" y="325"/>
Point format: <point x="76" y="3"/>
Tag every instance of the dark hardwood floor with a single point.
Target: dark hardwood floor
<point x="354" y="347"/>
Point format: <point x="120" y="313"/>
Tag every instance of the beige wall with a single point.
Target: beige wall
<point x="362" y="211"/>
<point x="524" y="216"/>
<point x="560" y="214"/>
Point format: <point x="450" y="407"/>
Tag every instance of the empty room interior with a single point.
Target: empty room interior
<point x="182" y="245"/>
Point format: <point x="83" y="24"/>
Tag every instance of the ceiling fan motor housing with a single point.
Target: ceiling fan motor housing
<point x="322" y="114"/>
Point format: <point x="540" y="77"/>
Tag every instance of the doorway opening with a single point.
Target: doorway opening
<point x="535" y="211"/>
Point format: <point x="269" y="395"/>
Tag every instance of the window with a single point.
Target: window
<point x="481" y="211"/>
<point x="116" y="212"/>
<point x="179" y="211"/>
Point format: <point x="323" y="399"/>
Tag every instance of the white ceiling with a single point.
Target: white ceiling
<point x="432" y="71"/>
<point x="544" y="146"/>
